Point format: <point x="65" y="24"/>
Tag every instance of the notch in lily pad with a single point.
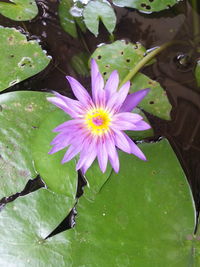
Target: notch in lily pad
<point x="96" y="11"/>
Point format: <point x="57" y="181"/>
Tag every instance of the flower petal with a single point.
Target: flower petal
<point x="99" y="93"/>
<point x="115" y="102"/>
<point x="121" y="142"/>
<point x="68" y="124"/>
<point x="79" y="91"/>
<point x="94" y="73"/>
<point x="141" y="126"/>
<point x="111" y="84"/>
<point x="102" y="155"/>
<point x="135" y="149"/>
<point x="133" y="100"/>
<point x="112" y="153"/>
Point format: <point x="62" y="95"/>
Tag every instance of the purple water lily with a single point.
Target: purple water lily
<point x="98" y="122"/>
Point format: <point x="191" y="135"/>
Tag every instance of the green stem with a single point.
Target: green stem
<point x="145" y="60"/>
<point x="195" y="18"/>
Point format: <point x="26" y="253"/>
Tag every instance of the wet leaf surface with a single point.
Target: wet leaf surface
<point x="19" y="58"/>
<point x="29" y="220"/>
<point x="144" y="216"/>
<point x="99" y="10"/>
<point x="19" y="9"/>
<point x="124" y="57"/>
<point x="20" y="116"/>
<point x="67" y="21"/>
<point x="147" y="6"/>
<point x="60" y="178"/>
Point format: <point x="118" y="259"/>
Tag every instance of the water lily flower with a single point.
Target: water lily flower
<point x="97" y="124"/>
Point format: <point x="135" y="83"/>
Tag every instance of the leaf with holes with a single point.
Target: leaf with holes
<point x="60" y="178"/>
<point x="67" y="20"/>
<point x="197" y="73"/>
<point x="20" y="116"/>
<point x="19" y="10"/>
<point x="147" y="6"/>
<point x="19" y="58"/>
<point x="99" y="10"/>
<point x="124" y="57"/>
<point x="24" y="225"/>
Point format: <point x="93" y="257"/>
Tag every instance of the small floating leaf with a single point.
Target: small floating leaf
<point x="19" y="58"/>
<point x="20" y="116"/>
<point x="147" y="6"/>
<point x="68" y="22"/>
<point x="197" y="73"/>
<point x="79" y="63"/>
<point x="124" y="57"/>
<point x="60" y="178"/>
<point x="99" y="10"/>
<point x="19" y="10"/>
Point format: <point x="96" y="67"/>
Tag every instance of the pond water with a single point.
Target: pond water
<point x="174" y="70"/>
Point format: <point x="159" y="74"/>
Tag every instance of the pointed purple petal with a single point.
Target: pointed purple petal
<point x="94" y="73"/>
<point x="135" y="149"/>
<point x="68" y="124"/>
<point x="111" y="84"/>
<point x="91" y="157"/>
<point x="112" y="153"/>
<point x="121" y="141"/>
<point x="79" y="91"/>
<point x="99" y="93"/>
<point x="102" y="155"/>
<point x="71" y="153"/>
<point x="141" y="126"/>
<point x="133" y="100"/>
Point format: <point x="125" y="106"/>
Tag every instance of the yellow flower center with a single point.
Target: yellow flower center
<point x="98" y="121"/>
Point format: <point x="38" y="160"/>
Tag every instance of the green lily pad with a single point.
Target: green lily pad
<point x="26" y="222"/>
<point x="142" y="216"/>
<point x="20" y="115"/>
<point x="147" y="6"/>
<point x="60" y="178"/>
<point x="124" y="57"/>
<point x="99" y="10"/>
<point x="19" y="58"/>
<point x="19" y="9"/>
<point x="197" y="73"/>
<point x="67" y="21"/>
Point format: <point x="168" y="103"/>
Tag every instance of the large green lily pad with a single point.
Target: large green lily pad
<point x="19" y="58"/>
<point x="60" y="178"/>
<point x="147" y="6"/>
<point x="123" y="57"/>
<point x="19" y="9"/>
<point x="143" y="216"/>
<point x="26" y="222"/>
<point x="20" y="116"/>
<point x="99" y="10"/>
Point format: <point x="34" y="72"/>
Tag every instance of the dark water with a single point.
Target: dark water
<point x="173" y="69"/>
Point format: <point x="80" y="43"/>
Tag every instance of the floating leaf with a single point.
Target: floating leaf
<point x="60" y="178"/>
<point x="99" y="10"/>
<point x="20" y="116"/>
<point x="24" y="225"/>
<point x="19" y="9"/>
<point x="79" y="63"/>
<point x="19" y="58"/>
<point x="68" y="22"/>
<point x="197" y="73"/>
<point x="142" y="216"/>
<point x="124" y="57"/>
<point x="147" y="6"/>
